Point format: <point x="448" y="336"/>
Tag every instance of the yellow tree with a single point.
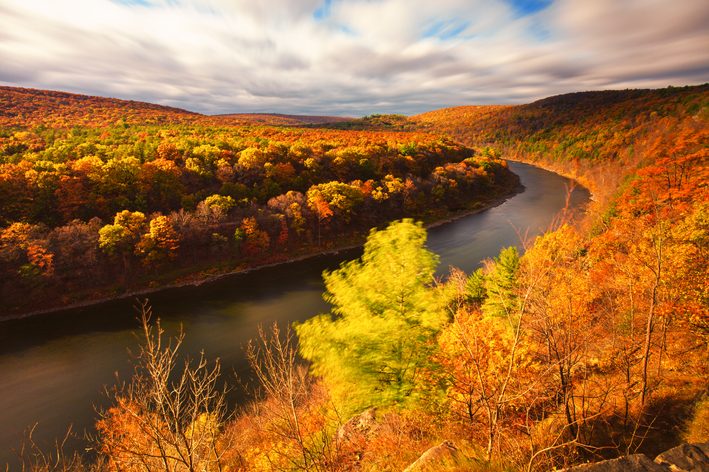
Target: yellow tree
<point x="160" y="243"/>
<point x="569" y="333"/>
<point x="491" y="362"/>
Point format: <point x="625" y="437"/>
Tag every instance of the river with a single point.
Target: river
<point x="53" y="367"/>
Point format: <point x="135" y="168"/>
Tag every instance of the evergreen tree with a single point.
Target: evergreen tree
<point x="501" y="284"/>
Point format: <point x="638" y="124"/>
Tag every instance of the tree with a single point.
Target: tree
<point x="501" y="284"/>
<point x="566" y="327"/>
<point x="120" y="238"/>
<point x="252" y="159"/>
<point x="486" y="353"/>
<point x="220" y="202"/>
<point x="165" y="418"/>
<point x="293" y="410"/>
<point x="214" y="209"/>
<point x="125" y="231"/>
<point x="341" y="198"/>
<point x="257" y="241"/>
<point x="160" y="243"/>
<point x="76" y="247"/>
<point x="25" y="251"/>
<point x="321" y="209"/>
<point x="372" y="347"/>
<point x="160" y="184"/>
<point x="291" y="204"/>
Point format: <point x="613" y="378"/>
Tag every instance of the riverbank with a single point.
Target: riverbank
<point x="203" y="277"/>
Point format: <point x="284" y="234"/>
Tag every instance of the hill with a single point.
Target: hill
<point x="598" y="137"/>
<point x="24" y="107"/>
<point x="271" y="119"/>
<point x="375" y="122"/>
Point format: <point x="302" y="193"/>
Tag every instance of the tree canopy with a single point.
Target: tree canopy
<point x="386" y="309"/>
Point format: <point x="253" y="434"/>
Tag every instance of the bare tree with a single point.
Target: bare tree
<point x="34" y="458"/>
<point x="290" y="409"/>
<point x="166" y="418"/>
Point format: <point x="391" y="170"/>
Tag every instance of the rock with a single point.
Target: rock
<point x="686" y="458"/>
<point x="632" y="463"/>
<point x="358" y="426"/>
<point x="437" y="458"/>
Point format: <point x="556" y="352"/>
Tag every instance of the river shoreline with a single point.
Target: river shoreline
<point x="197" y="279"/>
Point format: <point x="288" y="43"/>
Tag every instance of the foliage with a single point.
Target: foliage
<point x="500" y="285"/>
<point x="165" y="418"/>
<point x="372" y="347"/>
<point x="160" y="243"/>
<point x="295" y="409"/>
<point x="66" y="158"/>
<point x="698" y="427"/>
<point x="582" y="347"/>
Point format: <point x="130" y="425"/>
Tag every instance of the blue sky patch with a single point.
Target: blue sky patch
<point x="528" y="7"/>
<point x="323" y="11"/>
<point x="446" y="29"/>
<point x="142" y="3"/>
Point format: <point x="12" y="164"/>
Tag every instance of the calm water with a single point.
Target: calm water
<point x="53" y="368"/>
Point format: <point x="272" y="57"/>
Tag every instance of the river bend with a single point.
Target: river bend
<point x="53" y="367"/>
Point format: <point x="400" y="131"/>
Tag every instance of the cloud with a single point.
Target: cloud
<point x="349" y="57"/>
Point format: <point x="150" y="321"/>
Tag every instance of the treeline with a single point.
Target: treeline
<point x="25" y="107"/>
<point x="116" y="207"/>
<point x="376" y="122"/>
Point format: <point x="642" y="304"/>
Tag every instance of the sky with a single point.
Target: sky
<point x="350" y="57"/>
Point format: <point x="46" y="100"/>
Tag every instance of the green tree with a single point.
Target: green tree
<point x="125" y="231"/>
<point x="220" y="202"/>
<point x="501" y="284"/>
<point x="374" y="345"/>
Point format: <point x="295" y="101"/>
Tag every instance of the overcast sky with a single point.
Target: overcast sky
<point x="350" y="57"/>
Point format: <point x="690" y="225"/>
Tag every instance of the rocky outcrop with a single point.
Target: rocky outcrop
<point x="683" y="458"/>
<point x="686" y="458"/>
<point x="442" y="457"/>
<point x="359" y="425"/>
<point x="632" y="463"/>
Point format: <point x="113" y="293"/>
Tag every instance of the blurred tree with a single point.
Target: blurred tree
<point x="372" y="346"/>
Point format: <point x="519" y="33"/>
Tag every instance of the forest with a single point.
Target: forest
<point x="131" y="196"/>
<point x="591" y="343"/>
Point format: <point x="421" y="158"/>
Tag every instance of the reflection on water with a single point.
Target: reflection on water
<point x="53" y="368"/>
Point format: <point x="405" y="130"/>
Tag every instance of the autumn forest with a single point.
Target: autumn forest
<point x="585" y="343"/>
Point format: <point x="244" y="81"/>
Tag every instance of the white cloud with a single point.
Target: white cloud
<point x="362" y="56"/>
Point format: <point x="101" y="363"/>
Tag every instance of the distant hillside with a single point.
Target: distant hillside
<point x="504" y="124"/>
<point x="375" y="122"/>
<point x="597" y="136"/>
<point x="31" y="107"/>
<point x="68" y="160"/>
<point x="24" y="107"/>
<point x="271" y="119"/>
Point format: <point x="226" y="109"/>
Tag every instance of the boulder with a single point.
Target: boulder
<point x="358" y="426"/>
<point x="686" y="458"/>
<point x="445" y="456"/>
<point x="632" y="463"/>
